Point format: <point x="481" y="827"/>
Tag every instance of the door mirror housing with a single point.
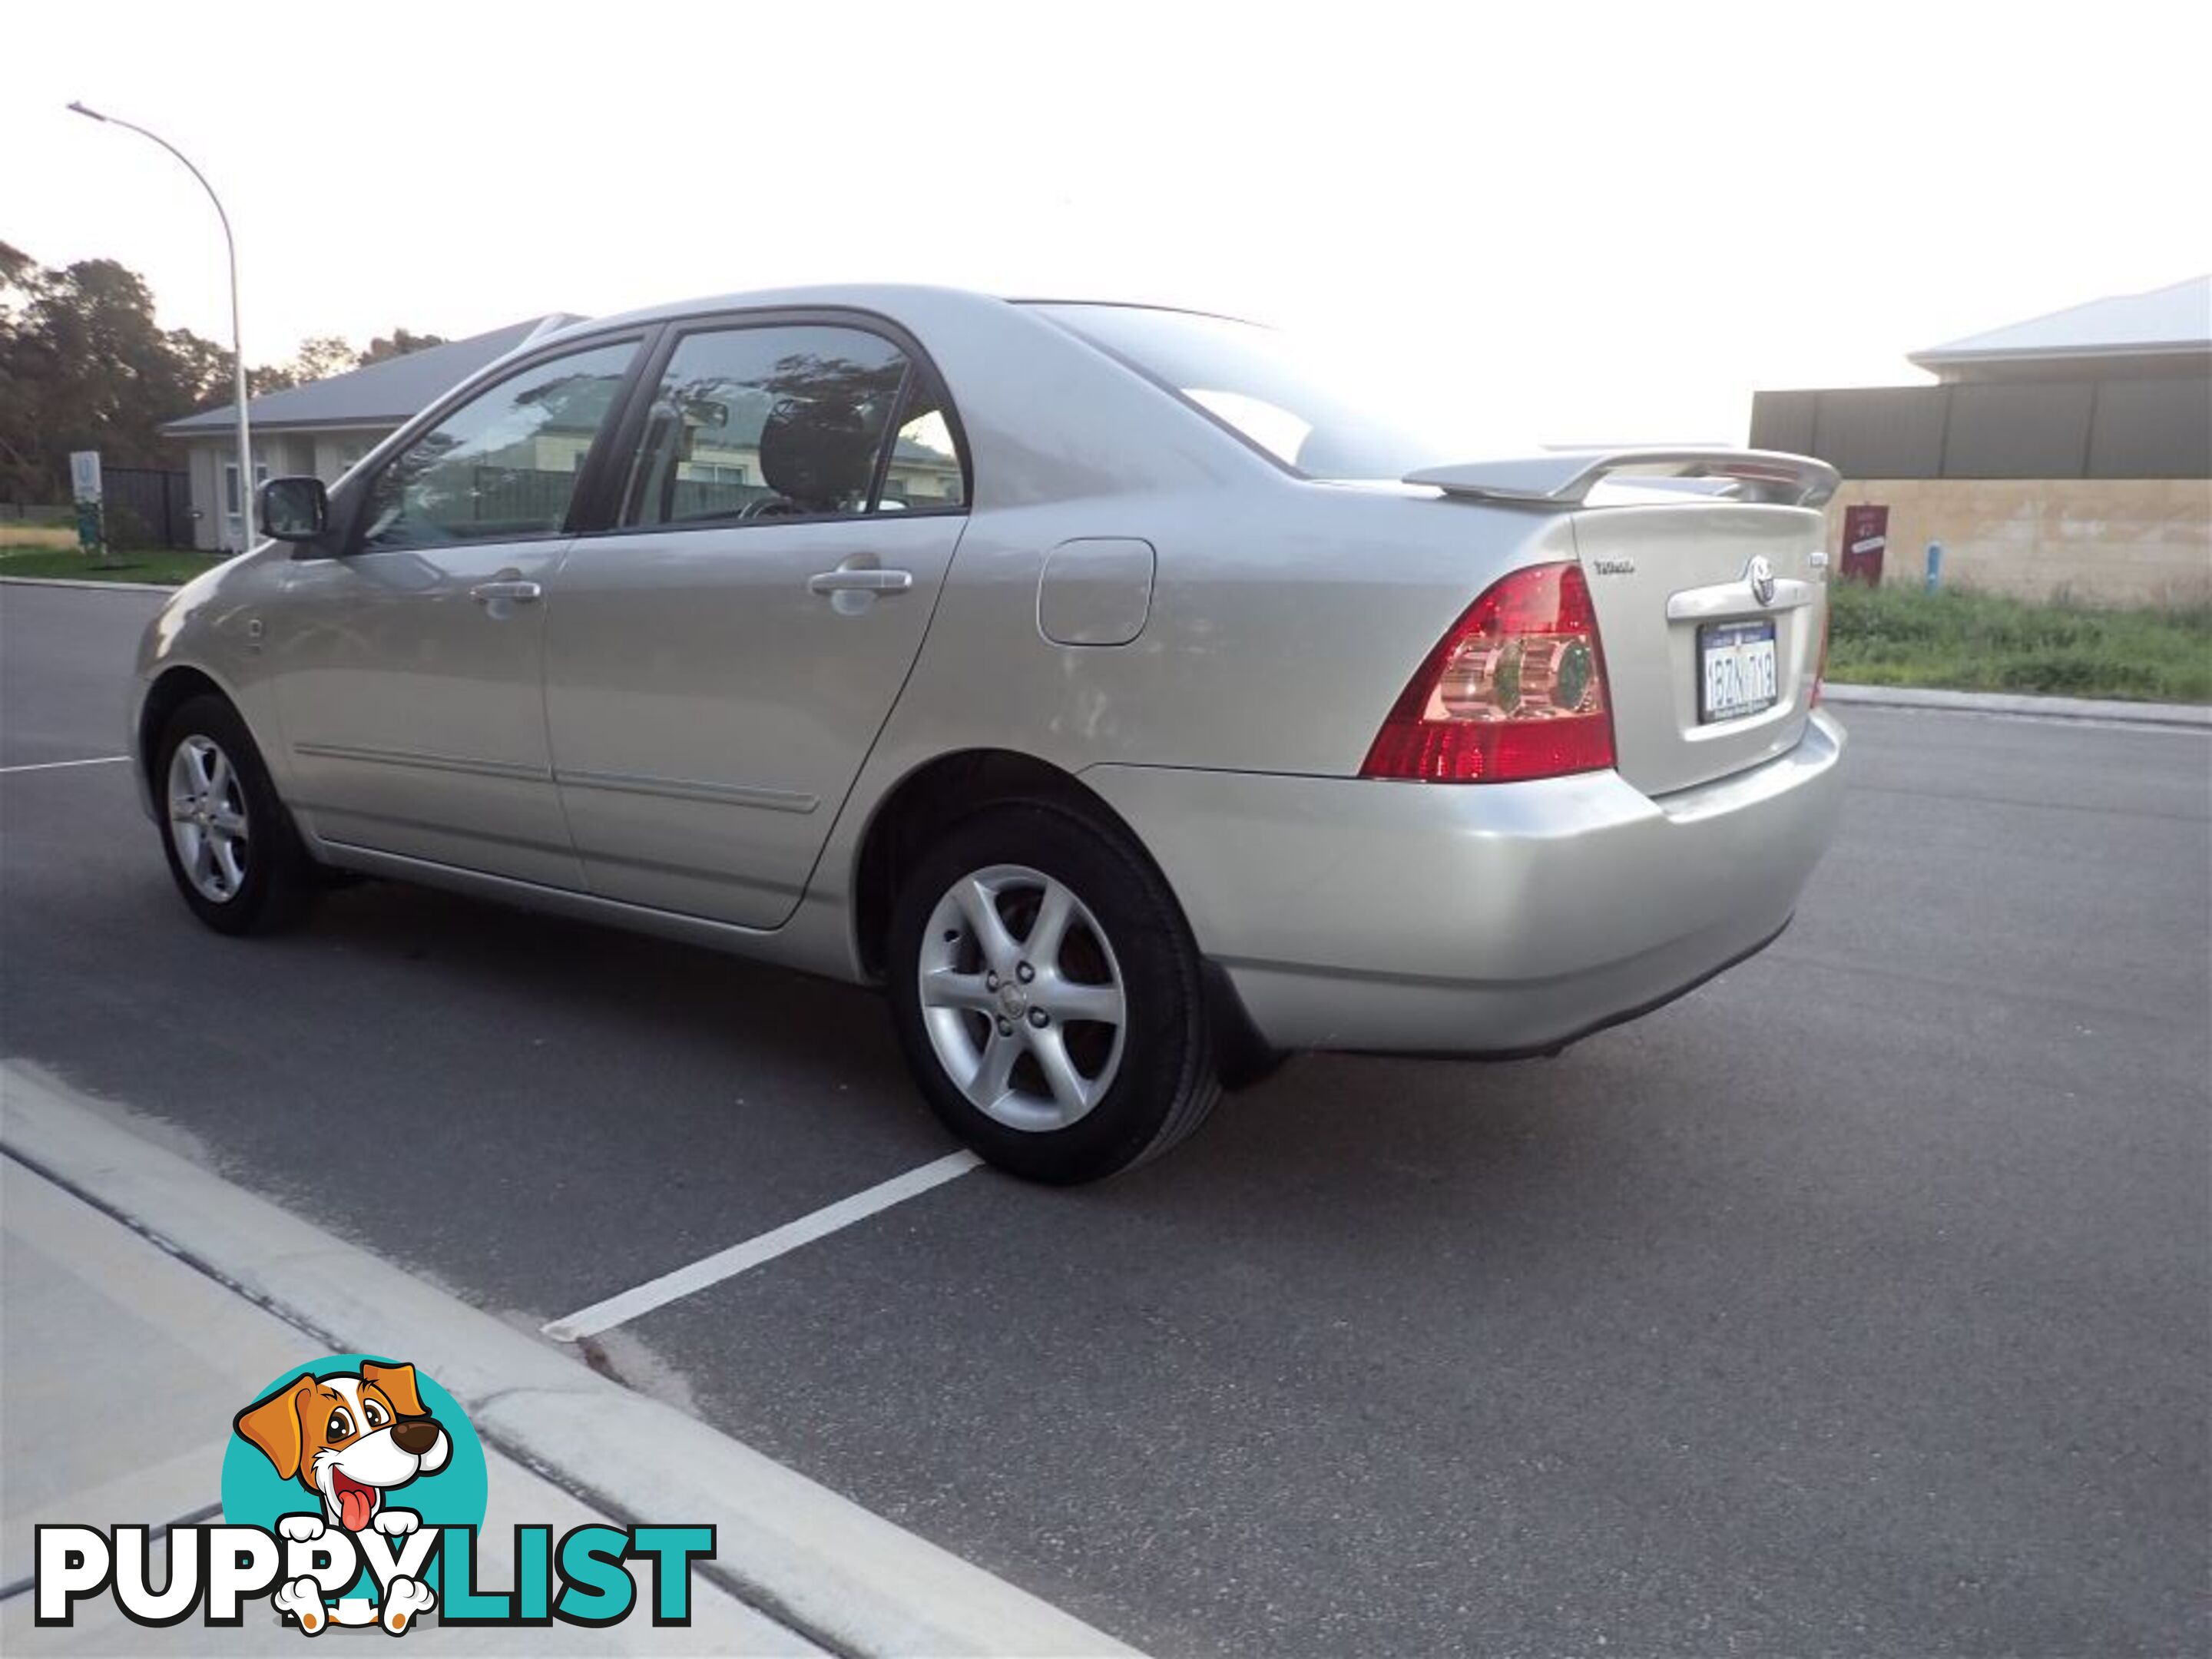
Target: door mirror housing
<point x="293" y="509"/>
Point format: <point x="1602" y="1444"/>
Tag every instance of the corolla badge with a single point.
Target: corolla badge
<point x="1760" y="574"/>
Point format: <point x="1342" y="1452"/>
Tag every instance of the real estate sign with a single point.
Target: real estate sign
<point x="84" y="485"/>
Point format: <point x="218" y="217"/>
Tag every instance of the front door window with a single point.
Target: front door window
<point x="504" y="465"/>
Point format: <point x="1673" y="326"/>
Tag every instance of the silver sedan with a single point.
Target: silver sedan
<point x="1129" y="701"/>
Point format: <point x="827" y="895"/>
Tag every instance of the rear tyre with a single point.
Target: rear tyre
<point x="230" y="843"/>
<point x="1048" y="995"/>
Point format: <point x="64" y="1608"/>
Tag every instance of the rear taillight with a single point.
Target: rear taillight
<point x="1515" y="690"/>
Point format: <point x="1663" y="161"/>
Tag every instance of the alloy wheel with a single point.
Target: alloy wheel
<point x="1022" y="997"/>
<point x="207" y="821"/>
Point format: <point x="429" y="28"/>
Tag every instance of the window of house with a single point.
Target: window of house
<point x="504" y="465"/>
<point x="230" y="483"/>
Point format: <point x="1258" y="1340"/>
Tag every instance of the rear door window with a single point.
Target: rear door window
<point x="792" y="421"/>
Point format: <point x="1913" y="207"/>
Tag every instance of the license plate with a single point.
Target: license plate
<point x="1735" y="670"/>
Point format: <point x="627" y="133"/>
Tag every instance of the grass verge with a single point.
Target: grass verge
<point x="161" y="565"/>
<point x="1960" y="640"/>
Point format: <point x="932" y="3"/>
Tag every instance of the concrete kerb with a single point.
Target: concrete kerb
<point x="835" y="1572"/>
<point x="2181" y="715"/>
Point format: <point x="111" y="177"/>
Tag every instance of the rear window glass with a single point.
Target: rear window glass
<point x="1308" y="411"/>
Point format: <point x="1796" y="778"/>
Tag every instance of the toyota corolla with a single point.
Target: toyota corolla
<point x="1130" y="703"/>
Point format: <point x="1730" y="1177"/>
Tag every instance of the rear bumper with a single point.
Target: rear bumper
<point x="1491" y="919"/>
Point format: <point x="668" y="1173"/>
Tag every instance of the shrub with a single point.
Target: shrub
<point x="1971" y="640"/>
<point x="126" y="528"/>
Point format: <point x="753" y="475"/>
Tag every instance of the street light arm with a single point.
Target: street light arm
<point x="237" y="333"/>
<point x="229" y="242"/>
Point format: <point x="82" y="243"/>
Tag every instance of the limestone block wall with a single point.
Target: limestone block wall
<point x="2108" y="541"/>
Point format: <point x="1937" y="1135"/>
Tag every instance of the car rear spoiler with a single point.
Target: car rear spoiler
<point x="1562" y="479"/>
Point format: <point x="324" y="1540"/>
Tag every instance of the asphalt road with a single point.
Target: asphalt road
<point x="1859" y="1303"/>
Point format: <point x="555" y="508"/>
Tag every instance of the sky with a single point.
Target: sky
<point x="1549" y="222"/>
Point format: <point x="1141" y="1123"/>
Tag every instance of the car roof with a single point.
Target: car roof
<point x="900" y="300"/>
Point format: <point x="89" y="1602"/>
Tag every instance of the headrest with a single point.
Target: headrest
<point x="817" y="454"/>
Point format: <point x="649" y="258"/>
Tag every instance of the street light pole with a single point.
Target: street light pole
<point x="237" y="338"/>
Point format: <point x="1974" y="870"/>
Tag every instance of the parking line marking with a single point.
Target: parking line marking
<point x="739" y="1258"/>
<point x="54" y="766"/>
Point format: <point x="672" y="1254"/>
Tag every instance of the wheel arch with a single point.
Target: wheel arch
<point x="171" y="690"/>
<point x="937" y="795"/>
<point x="941" y="792"/>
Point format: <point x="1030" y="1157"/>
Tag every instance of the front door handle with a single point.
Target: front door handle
<point x="520" y="591"/>
<point x="860" y="581"/>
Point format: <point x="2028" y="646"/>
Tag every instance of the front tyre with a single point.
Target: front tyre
<point x="230" y="843"/>
<point x="1048" y="995"/>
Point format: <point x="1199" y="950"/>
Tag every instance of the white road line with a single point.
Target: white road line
<point x="55" y="766"/>
<point x="724" y="1264"/>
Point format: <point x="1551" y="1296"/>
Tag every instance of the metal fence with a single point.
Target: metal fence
<point x="520" y="496"/>
<point x="515" y="495"/>
<point x="160" y="503"/>
<point x="2110" y="427"/>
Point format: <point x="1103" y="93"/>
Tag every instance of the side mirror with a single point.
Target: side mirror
<point x="293" y="509"/>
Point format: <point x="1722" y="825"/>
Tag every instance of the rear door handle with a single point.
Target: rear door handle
<point x="520" y="591"/>
<point x="860" y="581"/>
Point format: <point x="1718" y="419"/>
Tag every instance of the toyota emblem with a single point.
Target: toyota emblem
<point x="1760" y="575"/>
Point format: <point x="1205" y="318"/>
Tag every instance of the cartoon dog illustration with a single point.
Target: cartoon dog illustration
<point x="350" y="1437"/>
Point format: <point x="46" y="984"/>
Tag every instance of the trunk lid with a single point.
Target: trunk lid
<point x="1693" y="557"/>
<point x="1668" y="580"/>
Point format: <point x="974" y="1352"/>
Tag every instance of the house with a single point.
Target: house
<point x="327" y="426"/>
<point x="2072" y="451"/>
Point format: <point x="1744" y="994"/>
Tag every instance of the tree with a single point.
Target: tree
<point x="84" y="365"/>
<point x="14" y="266"/>
<point x="18" y="462"/>
<point x="319" y="356"/>
<point x="398" y="344"/>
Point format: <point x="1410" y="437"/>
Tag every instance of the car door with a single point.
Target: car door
<point x="721" y="659"/>
<point x="408" y="671"/>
